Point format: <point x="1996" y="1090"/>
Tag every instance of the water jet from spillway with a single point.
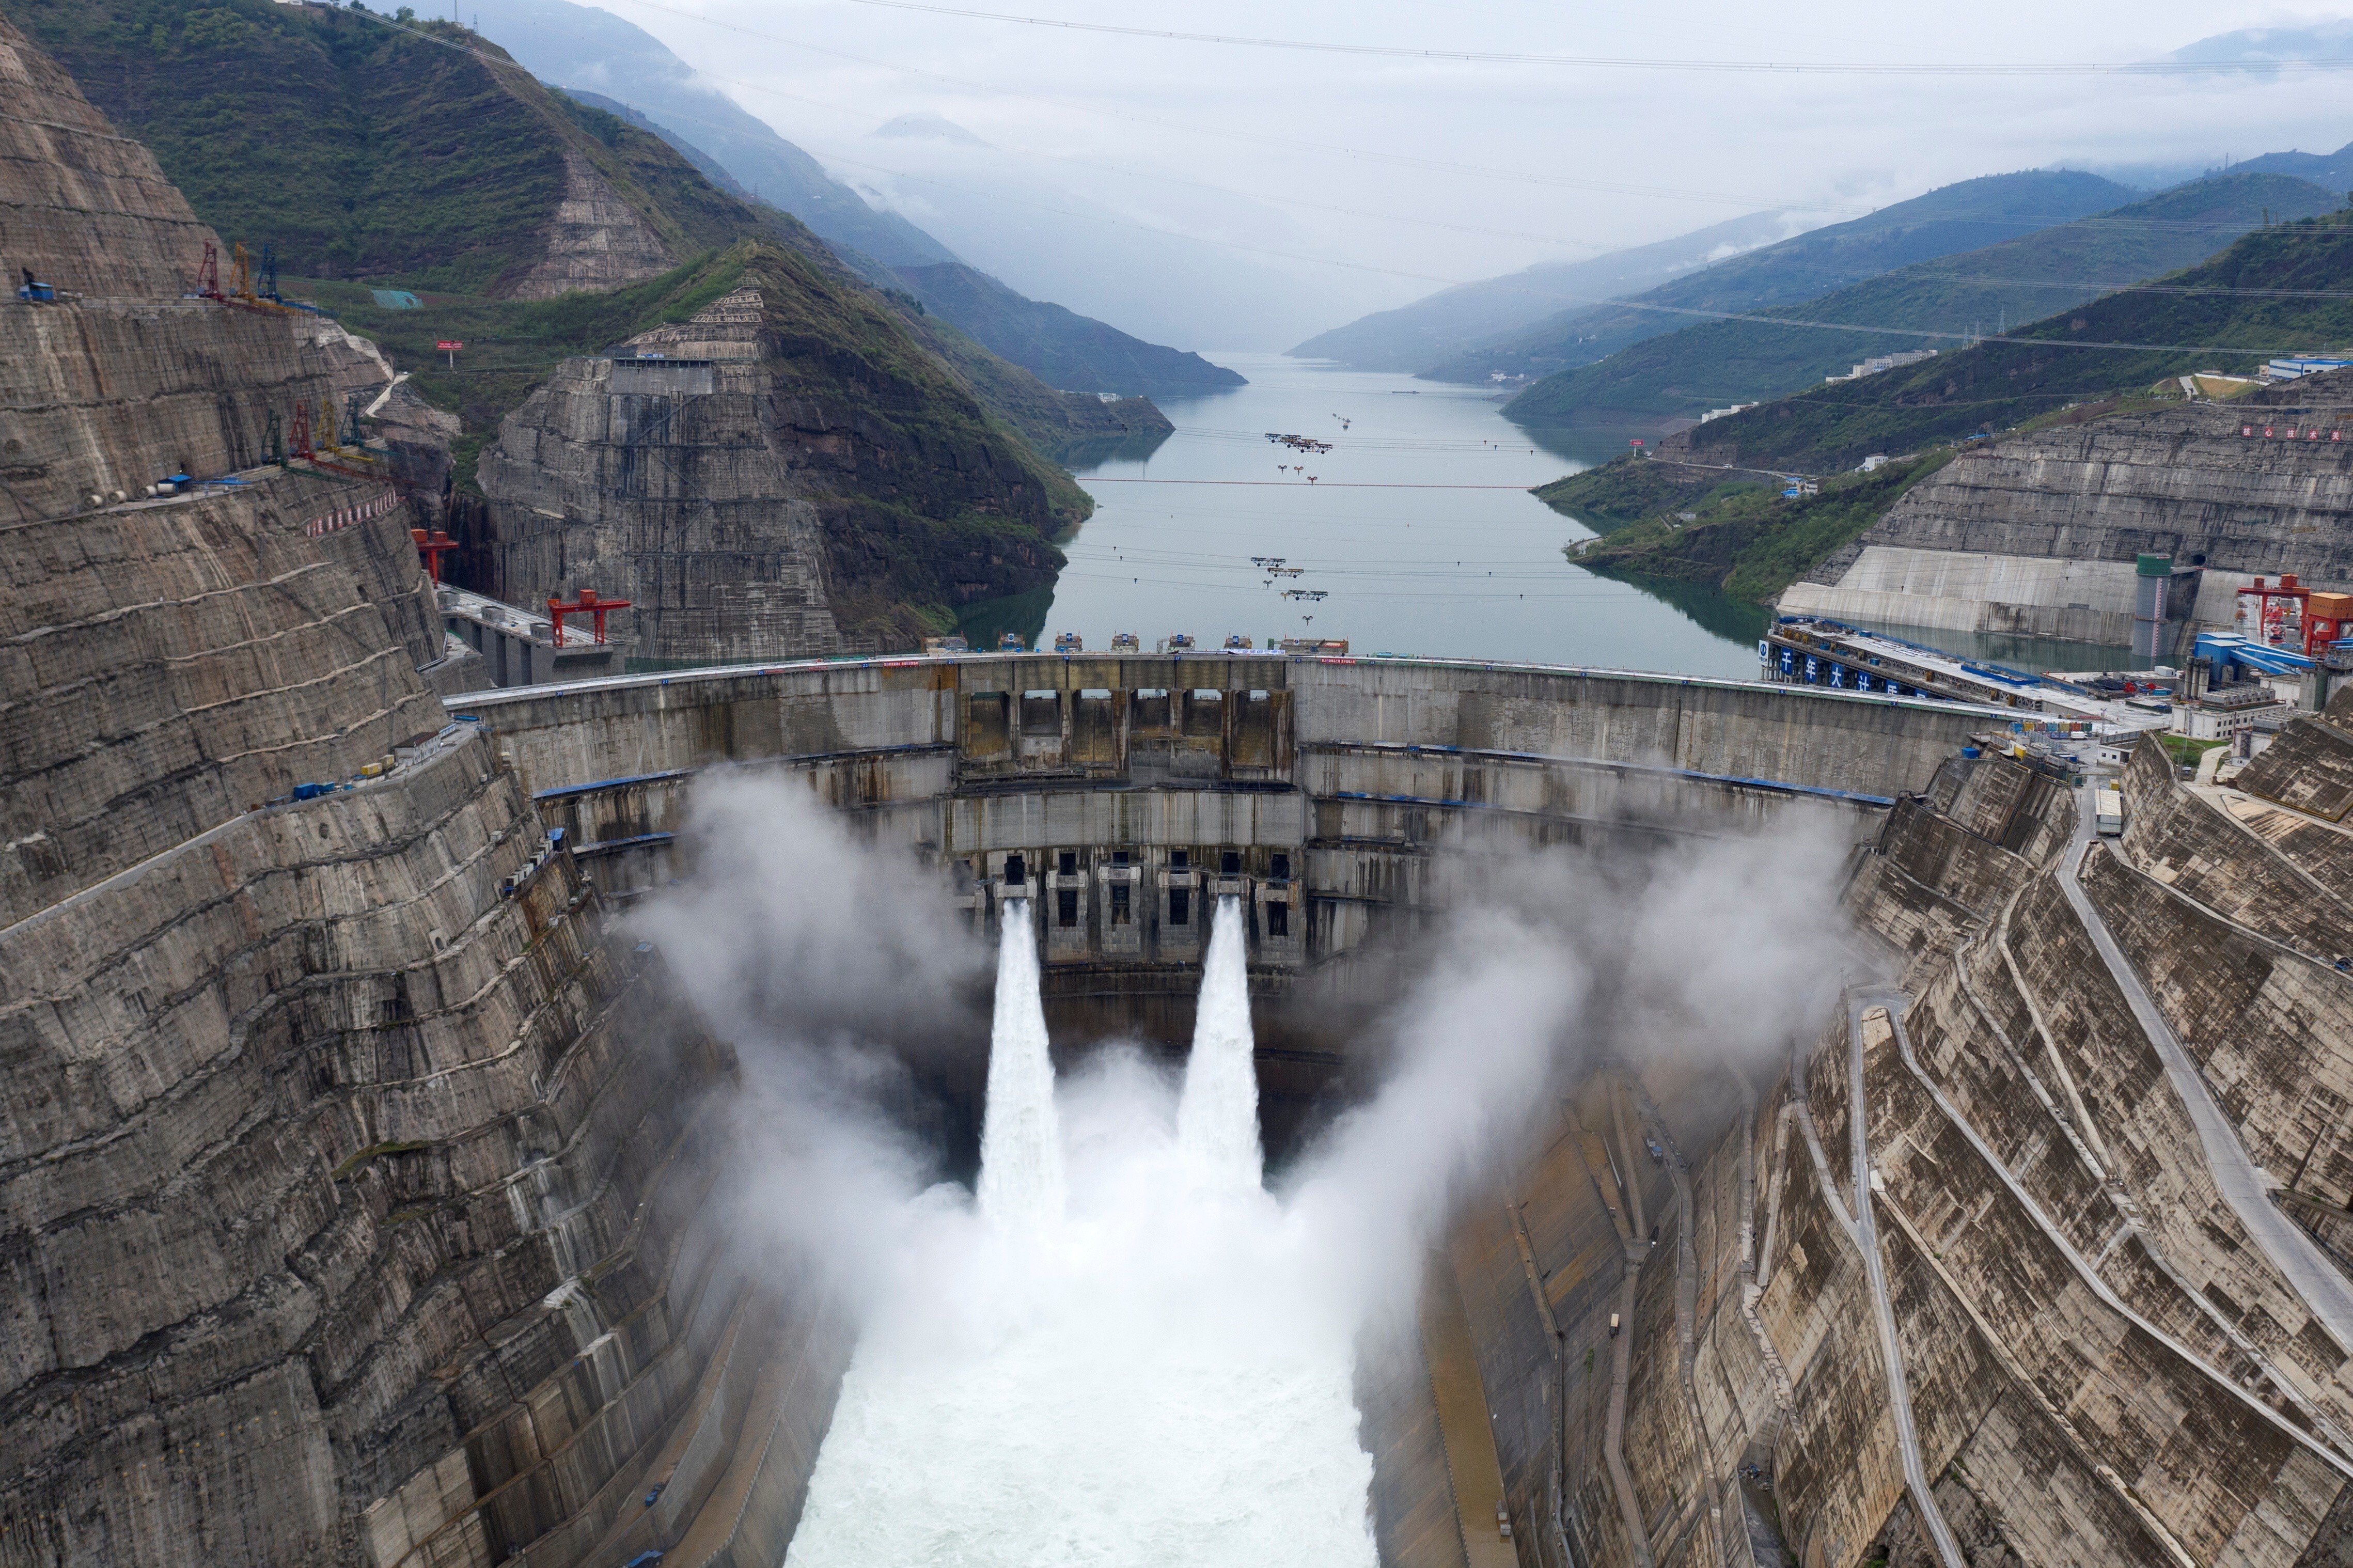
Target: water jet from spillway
<point x="1120" y="1366"/>
<point x="1217" y="1116"/>
<point x="1021" y="1182"/>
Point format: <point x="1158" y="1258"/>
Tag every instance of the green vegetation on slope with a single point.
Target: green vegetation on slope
<point x="1748" y="540"/>
<point x="1964" y="216"/>
<point x="2188" y="324"/>
<point x="1624" y="490"/>
<point x="512" y="345"/>
<point x="1712" y="363"/>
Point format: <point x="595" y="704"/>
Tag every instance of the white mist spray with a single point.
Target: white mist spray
<point x="1020" y="1143"/>
<point x="1217" y="1119"/>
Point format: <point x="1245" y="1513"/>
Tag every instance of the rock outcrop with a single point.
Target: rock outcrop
<point x="762" y="491"/>
<point x="596" y="240"/>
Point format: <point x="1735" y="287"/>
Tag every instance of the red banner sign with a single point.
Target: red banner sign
<point x="448" y="347"/>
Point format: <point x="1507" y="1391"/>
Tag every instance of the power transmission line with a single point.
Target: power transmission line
<point x="1636" y="62"/>
<point x="1438" y="166"/>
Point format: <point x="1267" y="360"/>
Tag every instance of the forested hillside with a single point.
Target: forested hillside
<point x="2278" y="290"/>
<point x="1935" y="225"/>
<point x="1964" y="216"/>
<point x="1709" y="364"/>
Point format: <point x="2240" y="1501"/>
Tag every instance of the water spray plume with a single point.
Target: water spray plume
<point x="1021" y="1184"/>
<point x="1217" y="1119"/>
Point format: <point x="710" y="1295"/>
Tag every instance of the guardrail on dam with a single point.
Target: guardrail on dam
<point x="1133" y="786"/>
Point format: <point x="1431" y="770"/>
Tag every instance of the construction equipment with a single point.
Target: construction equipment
<point x="273" y="441"/>
<point x="2279" y="611"/>
<point x="1069" y="642"/>
<point x="323" y="433"/>
<point x="208" y="273"/>
<point x="35" y="293"/>
<point x="240" y="274"/>
<point x="588" y="603"/>
<point x="1011" y="642"/>
<point x="354" y="437"/>
<point x="298" y="440"/>
<point x="434" y="545"/>
<point x="1126" y="642"/>
<point x="270" y="274"/>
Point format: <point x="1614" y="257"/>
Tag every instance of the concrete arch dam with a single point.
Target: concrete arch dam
<point x="1130" y="791"/>
<point x="1343" y="805"/>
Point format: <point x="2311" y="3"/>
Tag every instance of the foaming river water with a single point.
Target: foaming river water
<point x="1419" y="527"/>
<point x="1124" y="1354"/>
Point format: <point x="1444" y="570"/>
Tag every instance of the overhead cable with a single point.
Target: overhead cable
<point x="1635" y="62"/>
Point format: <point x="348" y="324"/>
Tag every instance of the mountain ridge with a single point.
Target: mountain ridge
<point x="1414" y="336"/>
<point x="1965" y="216"/>
<point x="1679" y="375"/>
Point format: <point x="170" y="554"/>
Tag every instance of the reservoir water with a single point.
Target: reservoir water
<point x="1419" y="527"/>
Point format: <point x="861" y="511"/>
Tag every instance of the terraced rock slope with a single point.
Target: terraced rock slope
<point x="361" y="1196"/>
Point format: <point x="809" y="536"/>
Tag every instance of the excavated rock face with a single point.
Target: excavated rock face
<point x="361" y="1194"/>
<point x="2184" y="483"/>
<point x="128" y="382"/>
<point x="762" y="490"/>
<point x="596" y="240"/>
<point x="2103" y="1363"/>
<point x="83" y="207"/>
<point x="168" y="665"/>
<point x="99" y="396"/>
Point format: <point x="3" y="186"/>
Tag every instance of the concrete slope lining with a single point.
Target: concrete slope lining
<point x="1916" y="1476"/>
<point x="2290" y="1248"/>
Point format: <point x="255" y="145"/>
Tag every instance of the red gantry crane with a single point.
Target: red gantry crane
<point x="588" y="603"/>
<point x="434" y="545"/>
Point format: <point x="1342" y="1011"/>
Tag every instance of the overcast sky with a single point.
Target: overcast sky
<point x="1397" y="176"/>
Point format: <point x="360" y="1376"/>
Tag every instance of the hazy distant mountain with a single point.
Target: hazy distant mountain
<point x="1430" y="330"/>
<point x="1067" y="352"/>
<point x="580" y="47"/>
<point x="1060" y="347"/>
<point x="2322" y="41"/>
<point x="2333" y="171"/>
<point x="1964" y="216"/>
<point x="937" y="127"/>
<point x="1678" y="376"/>
<point x="1170" y="260"/>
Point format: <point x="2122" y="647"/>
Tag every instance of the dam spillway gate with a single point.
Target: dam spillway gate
<point x="1126" y="789"/>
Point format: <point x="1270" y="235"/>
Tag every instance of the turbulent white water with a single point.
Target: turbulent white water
<point x="1115" y="1366"/>
<point x="1021" y="1182"/>
<point x="1217" y="1118"/>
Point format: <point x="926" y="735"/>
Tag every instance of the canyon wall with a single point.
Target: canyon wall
<point x="1981" y="1176"/>
<point x="364" y="1198"/>
<point x="757" y="493"/>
